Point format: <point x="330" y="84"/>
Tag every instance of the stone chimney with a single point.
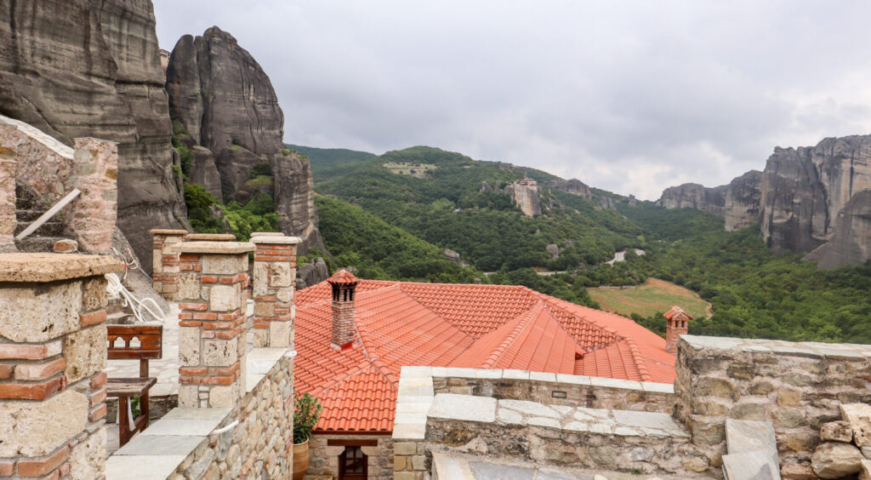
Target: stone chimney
<point x="344" y="286"/>
<point x="677" y="325"/>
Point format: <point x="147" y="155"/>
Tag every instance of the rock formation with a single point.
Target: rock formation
<point x="850" y="243"/>
<point x="223" y="99"/>
<point x="295" y="200"/>
<point x="693" y="195"/>
<point x="573" y="186"/>
<point x="525" y="195"/>
<point x="92" y="69"/>
<point x="743" y="201"/>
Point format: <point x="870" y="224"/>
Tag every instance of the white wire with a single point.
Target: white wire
<point x="117" y="290"/>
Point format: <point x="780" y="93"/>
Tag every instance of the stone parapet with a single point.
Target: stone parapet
<point x="8" y="222"/>
<point x="274" y="279"/>
<point x="796" y="386"/>
<point x="53" y="345"/>
<point x="212" y="323"/>
<point x="165" y="268"/>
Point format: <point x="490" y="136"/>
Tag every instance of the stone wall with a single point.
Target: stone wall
<point x="796" y="386"/>
<point x="556" y="389"/>
<point x="52" y="355"/>
<point x="324" y="459"/>
<point x="8" y="222"/>
<point x="52" y="170"/>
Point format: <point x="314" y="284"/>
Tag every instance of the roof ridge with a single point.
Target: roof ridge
<point x="640" y="362"/>
<point x="509" y="340"/>
<point x="603" y="328"/>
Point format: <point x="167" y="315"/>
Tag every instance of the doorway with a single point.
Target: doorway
<point x="353" y="464"/>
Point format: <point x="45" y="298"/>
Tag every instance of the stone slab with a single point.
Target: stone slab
<point x="463" y="408"/>
<point x="214" y="247"/>
<point x="615" y="383"/>
<point x="491" y="471"/>
<point x="748" y="435"/>
<point x="276" y="240"/>
<point x="756" y="465"/>
<point x="266" y="234"/>
<point x="210" y="237"/>
<point x="652" y="387"/>
<point x="261" y="360"/>
<point x="161" y="445"/>
<point x="142" y="467"/>
<point x="52" y="267"/>
<point x="188" y="422"/>
<point x="167" y="231"/>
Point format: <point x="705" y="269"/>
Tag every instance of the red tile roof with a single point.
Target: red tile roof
<point x="477" y="326"/>
<point x="343" y="277"/>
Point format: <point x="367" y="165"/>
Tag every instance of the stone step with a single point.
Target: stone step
<point x="752" y="448"/>
<point x="52" y="228"/>
<point x="37" y="244"/>
<point x="28" y="215"/>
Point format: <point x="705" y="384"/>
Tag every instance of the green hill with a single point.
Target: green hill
<point x="329" y="162"/>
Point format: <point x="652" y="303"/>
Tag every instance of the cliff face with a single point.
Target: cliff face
<point x="693" y="195"/>
<point x="221" y="96"/>
<point x="743" y="201"/>
<point x="525" y="195"/>
<point x="575" y="187"/>
<point x="78" y="68"/>
<point x="850" y="243"/>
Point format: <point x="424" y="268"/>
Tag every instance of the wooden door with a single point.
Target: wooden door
<point x="353" y="464"/>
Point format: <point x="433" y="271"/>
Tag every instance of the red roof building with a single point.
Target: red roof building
<point x="400" y="324"/>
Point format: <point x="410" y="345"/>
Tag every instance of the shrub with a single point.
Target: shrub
<point x="306" y="414"/>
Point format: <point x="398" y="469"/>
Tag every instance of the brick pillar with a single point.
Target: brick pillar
<point x="344" y="286"/>
<point x="165" y="262"/>
<point x="53" y="346"/>
<point x="212" y="330"/>
<point x="95" y="210"/>
<point x="677" y="322"/>
<point x="8" y="168"/>
<point x="274" y="277"/>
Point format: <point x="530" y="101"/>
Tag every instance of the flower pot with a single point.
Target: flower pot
<point x="300" y="460"/>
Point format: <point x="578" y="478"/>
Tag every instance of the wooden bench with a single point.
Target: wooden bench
<point x="150" y="347"/>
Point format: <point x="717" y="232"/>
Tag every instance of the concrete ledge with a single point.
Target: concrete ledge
<point x="275" y="240"/>
<point x="259" y="362"/>
<point x="215" y="247"/>
<point x="210" y="237"/>
<point x="164" y="231"/>
<point x="542" y="377"/>
<point x="840" y="351"/>
<point x="52" y="267"/>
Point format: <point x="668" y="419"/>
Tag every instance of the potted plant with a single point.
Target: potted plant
<point x="306" y="414"/>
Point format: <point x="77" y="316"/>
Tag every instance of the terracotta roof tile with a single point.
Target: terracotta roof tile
<point x="343" y="277"/>
<point x="478" y="326"/>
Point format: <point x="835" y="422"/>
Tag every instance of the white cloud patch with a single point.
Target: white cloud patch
<point x="630" y="96"/>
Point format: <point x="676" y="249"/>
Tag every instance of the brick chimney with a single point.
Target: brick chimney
<point x="677" y="325"/>
<point x="344" y="286"/>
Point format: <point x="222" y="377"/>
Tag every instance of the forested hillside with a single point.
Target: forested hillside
<point x="438" y="197"/>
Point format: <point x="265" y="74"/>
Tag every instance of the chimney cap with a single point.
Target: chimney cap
<point x="677" y="313"/>
<point x="343" y="277"/>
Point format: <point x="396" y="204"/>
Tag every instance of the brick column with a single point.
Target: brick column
<point x="274" y="277"/>
<point x="95" y="210"/>
<point x="165" y="262"/>
<point x="8" y="222"/>
<point x="53" y="345"/>
<point x="212" y="318"/>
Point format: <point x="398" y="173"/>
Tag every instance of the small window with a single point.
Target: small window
<point x="352" y="464"/>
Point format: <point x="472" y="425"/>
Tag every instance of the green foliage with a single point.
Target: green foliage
<point x="235" y="147"/>
<point x="285" y="152"/>
<point x="258" y="215"/>
<point x="306" y="414"/>
<point x="330" y="162"/>
<point x="381" y="251"/>
<point x="199" y="203"/>
<point x="262" y="169"/>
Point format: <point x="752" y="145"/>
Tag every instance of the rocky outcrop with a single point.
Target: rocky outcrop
<point x="607" y="203"/>
<point x="693" y="195"/>
<point x="235" y="165"/>
<point x="222" y="96"/>
<point x="485" y="187"/>
<point x="573" y="186"/>
<point x="92" y="69"/>
<point x="851" y="242"/>
<point x="295" y="201"/>
<point x="525" y="195"/>
<point x="312" y="273"/>
<point x="204" y="171"/>
<point x="743" y="201"/>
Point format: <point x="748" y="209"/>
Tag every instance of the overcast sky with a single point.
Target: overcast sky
<point x="627" y="96"/>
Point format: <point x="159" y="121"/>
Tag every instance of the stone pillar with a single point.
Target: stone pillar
<point x="53" y="345"/>
<point x="212" y="326"/>
<point x="274" y="277"/>
<point x="8" y="168"/>
<point x="95" y="210"/>
<point x="165" y="262"/>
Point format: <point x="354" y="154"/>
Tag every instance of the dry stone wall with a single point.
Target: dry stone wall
<point x="324" y="458"/>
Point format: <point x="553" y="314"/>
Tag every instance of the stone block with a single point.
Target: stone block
<point x="284" y="294"/>
<point x="280" y="274"/>
<point x="94" y="293"/>
<point x="35" y="429"/>
<point x="34" y="315"/>
<point x="405" y="448"/>
<point x="87" y="458"/>
<point x="224" y="298"/>
<point x="836" y="432"/>
<point x="463" y="408"/>
<point x="188" y="286"/>
<point x="756" y="465"/>
<point x="865" y="473"/>
<point x="836" y="460"/>
<point x="224" y="396"/>
<point x="800" y="471"/>
<point x="716" y="387"/>
<point x="189" y="346"/>
<point x="260" y="279"/>
<point x="85" y="352"/>
<point x="188" y="396"/>
<point x="264" y="309"/>
<point x="859" y="417"/>
<point x="748" y="411"/>
<point x="279" y="334"/>
<point x="219" y="352"/>
<point x="224" y="264"/>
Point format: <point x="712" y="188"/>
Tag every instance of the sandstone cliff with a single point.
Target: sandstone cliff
<point x="525" y="195"/>
<point x="221" y="96"/>
<point x="92" y="69"/>
<point x="850" y="243"/>
<point x="573" y="186"/>
<point x="743" y="201"/>
<point x="693" y="195"/>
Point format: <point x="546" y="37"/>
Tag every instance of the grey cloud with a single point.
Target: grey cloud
<point x="629" y="96"/>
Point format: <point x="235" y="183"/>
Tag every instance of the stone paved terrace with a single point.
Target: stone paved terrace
<point x="468" y="467"/>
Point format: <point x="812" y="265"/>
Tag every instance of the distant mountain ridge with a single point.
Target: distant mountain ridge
<point x="800" y="201"/>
